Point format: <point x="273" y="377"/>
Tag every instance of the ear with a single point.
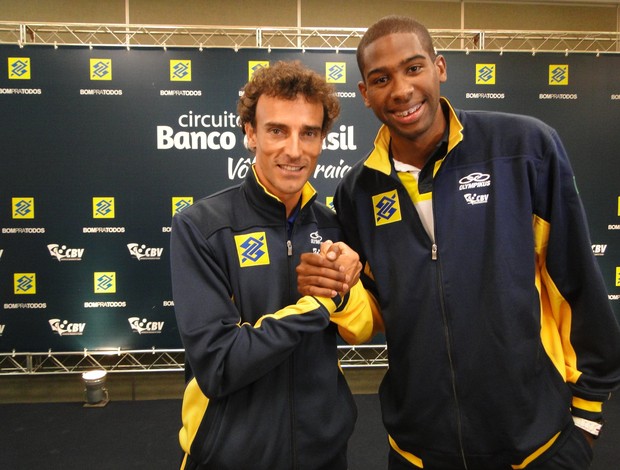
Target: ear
<point x="251" y="136"/>
<point x="442" y="68"/>
<point x="364" y="91"/>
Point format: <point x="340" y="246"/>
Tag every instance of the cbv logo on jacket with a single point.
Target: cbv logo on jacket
<point x="476" y="198"/>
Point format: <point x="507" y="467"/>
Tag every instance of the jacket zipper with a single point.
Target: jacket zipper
<point x="289" y="254"/>
<point x="459" y="424"/>
<point x="293" y="416"/>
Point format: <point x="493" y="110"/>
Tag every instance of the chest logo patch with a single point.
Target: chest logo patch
<point x="386" y="207"/>
<point x="252" y="249"/>
<point x="475" y="181"/>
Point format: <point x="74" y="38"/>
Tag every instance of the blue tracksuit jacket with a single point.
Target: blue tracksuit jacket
<point x="264" y="391"/>
<point x="501" y="328"/>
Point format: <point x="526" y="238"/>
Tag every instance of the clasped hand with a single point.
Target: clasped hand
<point x="333" y="271"/>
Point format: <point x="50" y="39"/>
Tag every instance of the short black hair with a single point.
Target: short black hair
<point x="394" y="24"/>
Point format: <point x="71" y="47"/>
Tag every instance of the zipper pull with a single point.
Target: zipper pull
<point x="289" y="248"/>
<point x="434" y="252"/>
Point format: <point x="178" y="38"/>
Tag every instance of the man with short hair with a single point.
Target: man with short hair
<point x="502" y="343"/>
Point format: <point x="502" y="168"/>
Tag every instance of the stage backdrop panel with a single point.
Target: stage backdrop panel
<point x="101" y="147"/>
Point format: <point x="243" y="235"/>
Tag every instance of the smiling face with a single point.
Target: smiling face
<point x="402" y="86"/>
<point x="287" y="138"/>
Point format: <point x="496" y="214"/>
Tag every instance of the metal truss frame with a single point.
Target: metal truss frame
<point x="237" y="37"/>
<point x="147" y="360"/>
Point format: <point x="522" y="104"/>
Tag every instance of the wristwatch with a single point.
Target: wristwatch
<point x="591" y="427"/>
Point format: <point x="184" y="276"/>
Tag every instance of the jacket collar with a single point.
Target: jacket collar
<point x="379" y="157"/>
<point x="265" y="199"/>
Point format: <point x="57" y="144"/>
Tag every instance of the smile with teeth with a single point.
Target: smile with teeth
<point x="291" y="168"/>
<point x="408" y="111"/>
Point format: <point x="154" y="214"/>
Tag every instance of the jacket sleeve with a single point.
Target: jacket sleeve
<point x="580" y="331"/>
<point x="355" y="316"/>
<point x="365" y="289"/>
<point x="225" y="354"/>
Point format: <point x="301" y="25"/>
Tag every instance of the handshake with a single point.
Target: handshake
<point x="333" y="271"/>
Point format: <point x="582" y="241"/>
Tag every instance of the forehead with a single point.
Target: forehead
<point x="297" y="111"/>
<point x="393" y="49"/>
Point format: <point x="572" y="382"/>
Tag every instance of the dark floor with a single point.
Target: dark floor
<point x="127" y="435"/>
<point x="142" y="433"/>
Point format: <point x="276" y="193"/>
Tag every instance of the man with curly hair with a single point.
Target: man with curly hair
<point x="264" y="390"/>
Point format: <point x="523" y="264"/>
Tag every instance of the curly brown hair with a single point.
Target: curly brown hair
<point x="288" y="80"/>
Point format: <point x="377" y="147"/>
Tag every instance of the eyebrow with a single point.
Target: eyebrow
<point x="402" y="62"/>
<point x="312" y="128"/>
<point x="305" y="127"/>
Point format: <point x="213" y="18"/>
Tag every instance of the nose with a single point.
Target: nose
<point x="293" y="145"/>
<point x="402" y="88"/>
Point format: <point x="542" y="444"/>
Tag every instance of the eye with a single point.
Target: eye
<point x="414" y="68"/>
<point x="276" y="131"/>
<point x="381" y="80"/>
<point x="310" y="135"/>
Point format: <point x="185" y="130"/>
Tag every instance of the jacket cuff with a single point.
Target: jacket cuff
<point x="332" y="304"/>
<point x="586" y="409"/>
<point x="343" y="302"/>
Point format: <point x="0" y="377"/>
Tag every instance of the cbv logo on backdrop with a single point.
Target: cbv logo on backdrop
<point x="143" y="326"/>
<point x="65" y="328"/>
<point x="599" y="250"/>
<point x="144" y="253"/>
<point x="62" y="253"/>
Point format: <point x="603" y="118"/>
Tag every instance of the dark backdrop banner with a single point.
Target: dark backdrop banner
<point x="100" y="147"/>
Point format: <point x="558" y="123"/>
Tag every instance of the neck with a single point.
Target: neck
<point x="411" y="153"/>
<point x="417" y="150"/>
<point x="291" y="204"/>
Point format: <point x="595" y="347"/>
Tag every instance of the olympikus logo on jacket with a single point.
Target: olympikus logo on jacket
<point x="474" y="180"/>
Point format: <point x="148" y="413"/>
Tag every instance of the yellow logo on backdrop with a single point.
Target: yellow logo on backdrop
<point x="24" y="283"/>
<point x="329" y="202"/>
<point x="252" y="249"/>
<point x="181" y="203"/>
<point x="103" y="208"/>
<point x="336" y="72"/>
<point x="180" y="70"/>
<point x="23" y="207"/>
<point x="558" y="75"/>
<point x="105" y="283"/>
<point x="101" y="69"/>
<point x="485" y="74"/>
<point x="19" y="68"/>
<point x="254" y="65"/>
<point x="617" y="276"/>
<point x="386" y="207"/>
